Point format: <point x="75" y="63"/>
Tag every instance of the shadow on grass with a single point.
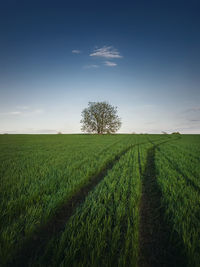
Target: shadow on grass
<point x="34" y="247"/>
<point x="158" y="245"/>
<point x="175" y="166"/>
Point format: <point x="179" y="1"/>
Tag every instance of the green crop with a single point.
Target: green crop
<point x="41" y="174"/>
<point x="106" y="224"/>
<point x="178" y="177"/>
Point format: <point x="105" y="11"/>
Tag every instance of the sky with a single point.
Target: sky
<point x="141" y="56"/>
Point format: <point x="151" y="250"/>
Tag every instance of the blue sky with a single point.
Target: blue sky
<point x="141" y="56"/>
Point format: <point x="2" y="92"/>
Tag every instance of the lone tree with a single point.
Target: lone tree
<point x="100" y="117"/>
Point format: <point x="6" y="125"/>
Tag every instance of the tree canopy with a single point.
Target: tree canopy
<point x="100" y="117"/>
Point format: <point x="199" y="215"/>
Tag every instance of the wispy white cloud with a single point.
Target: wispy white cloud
<point x="24" y="112"/>
<point x="91" y="66"/>
<point x="106" y="52"/>
<point x="29" y="131"/>
<point x="76" y="51"/>
<point x="11" y="113"/>
<point x="110" y="63"/>
<point x="15" y="113"/>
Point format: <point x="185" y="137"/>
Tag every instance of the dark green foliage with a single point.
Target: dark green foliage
<point x="100" y="117"/>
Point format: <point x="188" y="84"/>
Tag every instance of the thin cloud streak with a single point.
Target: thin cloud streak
<point x="22" y="113"/>
<point x="110" y="64"/>
<point x="30" y="131"/>
<point x="11" y="113"/>
<point x="92" y="66"/>
<point x="76" y="51"/>
<point x="15" y="113"/>
<point x="106" y="52"/>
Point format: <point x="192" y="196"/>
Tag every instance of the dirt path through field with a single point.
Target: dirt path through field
<point x="157" y="247"/>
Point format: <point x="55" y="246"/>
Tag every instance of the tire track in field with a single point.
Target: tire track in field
<point x="175" y="166"/>
<point x="188" y="180"/>
<point x="83" y="161"/>
<point x="186" y="151"/>
<point x="139" y="162"/>
<point x="157" y="245"/>
<point x="34" y="247"/>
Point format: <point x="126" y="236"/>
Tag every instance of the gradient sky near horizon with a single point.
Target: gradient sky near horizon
<point x="141" y="56"/>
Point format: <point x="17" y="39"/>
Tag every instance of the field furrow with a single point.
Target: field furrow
<point x="104" y="230"/>
<point x="156" y="244"/>
<point x="36" y="244"/>
<point x="109" y="200"/>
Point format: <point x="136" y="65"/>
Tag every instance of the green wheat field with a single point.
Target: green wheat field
<point x="108" y="200"/>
